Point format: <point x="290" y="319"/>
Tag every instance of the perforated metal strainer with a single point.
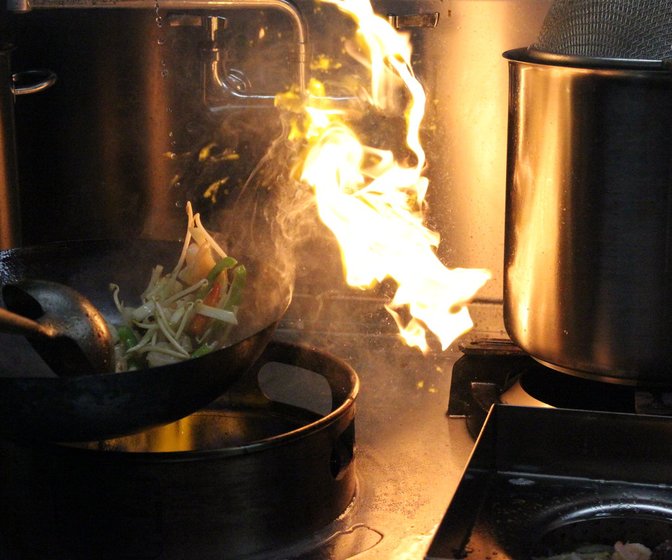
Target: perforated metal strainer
<point x="620" y="29"/>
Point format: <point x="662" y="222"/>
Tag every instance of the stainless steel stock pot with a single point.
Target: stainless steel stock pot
<point x="588" y="249"/>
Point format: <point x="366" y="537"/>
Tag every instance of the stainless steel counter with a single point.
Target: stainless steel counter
<point x="409" y="454"/>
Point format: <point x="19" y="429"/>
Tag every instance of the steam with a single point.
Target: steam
<point x="347" y="156"/>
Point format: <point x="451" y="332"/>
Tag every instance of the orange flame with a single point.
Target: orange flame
<point x="375" y="206"/>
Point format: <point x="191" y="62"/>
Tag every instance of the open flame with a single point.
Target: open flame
<point x="375" y="204"/>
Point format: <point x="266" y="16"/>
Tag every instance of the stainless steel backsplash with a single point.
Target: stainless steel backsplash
<point x="123" y="139"/>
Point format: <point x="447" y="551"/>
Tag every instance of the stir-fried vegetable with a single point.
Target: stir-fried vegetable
<point x="185" y="313"/>
<point x="620" y="551"/>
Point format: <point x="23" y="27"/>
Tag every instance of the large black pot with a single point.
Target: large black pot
<point x="264" y="469"/>
<point x="588" y="250"/>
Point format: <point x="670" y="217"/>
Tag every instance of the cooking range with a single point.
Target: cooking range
<point x="493" y="371"/>
<point x="386" y="504"/>
<point x="341" y="441"/>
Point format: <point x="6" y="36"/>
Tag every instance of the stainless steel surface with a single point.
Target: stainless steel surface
<point x="409" y="456"/>
<point x="18" y="5"/>
<point x="12" y="84"/>
<point x="129" y="125"/>
<point x="65" y="328"/>
<point x="123" y="133"/>
<point x="459" y="63"/>
<point x="531" y="493"/>
<point x="588" y="246"/>
<point x="10" y="213"/>
<point x="211" y="22"/>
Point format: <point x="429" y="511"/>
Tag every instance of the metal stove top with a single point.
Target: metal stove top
<point x="410" y="454"/>
<point x="495" y="371"/>
<point x="416" y="420"/>
<point x="418" y="417"/>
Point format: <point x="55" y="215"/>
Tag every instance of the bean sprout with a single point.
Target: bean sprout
<point x="185" y="313"/>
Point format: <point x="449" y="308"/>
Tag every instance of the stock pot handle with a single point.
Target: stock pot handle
<point x="32" y="81"/>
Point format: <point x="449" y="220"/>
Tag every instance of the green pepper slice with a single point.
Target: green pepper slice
<point x="129" y="340"/>
<point x="237" y="286"/>
<point x="202" y="350"/>
<point x="220" y="266"/>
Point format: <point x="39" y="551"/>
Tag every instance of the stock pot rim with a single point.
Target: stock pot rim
<point x="535" y="56"/>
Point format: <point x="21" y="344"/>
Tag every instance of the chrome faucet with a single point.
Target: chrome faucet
<point x="222" y="86"/>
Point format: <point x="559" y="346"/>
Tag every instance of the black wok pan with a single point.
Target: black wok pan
<point x="36" y="404"/>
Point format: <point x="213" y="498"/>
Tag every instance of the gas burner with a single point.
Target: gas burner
<point x="495" y="371"/>
<point x="545" y="481"/>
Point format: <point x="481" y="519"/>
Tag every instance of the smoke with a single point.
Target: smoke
<point x="270" y="224"/>
<point x="242" y="168"/>
<point x="243" y="173"/>
<point x="270" y="213"/>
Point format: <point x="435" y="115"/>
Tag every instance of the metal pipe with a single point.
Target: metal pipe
<point x="224" y="88"/>
<point x="282" y="5"/>
<point x="10" y="216"/>
<point x="18" y="5"/>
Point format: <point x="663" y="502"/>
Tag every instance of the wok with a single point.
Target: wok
<point x="36" y="404"/>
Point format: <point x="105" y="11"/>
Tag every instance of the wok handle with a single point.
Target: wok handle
<point x="13" y="323"/>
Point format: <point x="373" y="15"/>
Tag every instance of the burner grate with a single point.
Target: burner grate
<point x="495" y="371"/>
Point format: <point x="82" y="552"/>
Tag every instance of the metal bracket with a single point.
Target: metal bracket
<point x="414" y="21"/>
